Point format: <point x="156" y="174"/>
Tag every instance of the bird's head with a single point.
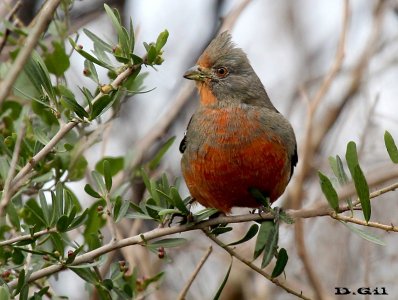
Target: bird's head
<point x="223" y="73"/>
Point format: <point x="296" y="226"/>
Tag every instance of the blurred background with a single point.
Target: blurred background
<point x="292" y="46"/>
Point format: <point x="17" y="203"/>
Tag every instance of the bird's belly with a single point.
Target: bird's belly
<point x="220" y="172"/>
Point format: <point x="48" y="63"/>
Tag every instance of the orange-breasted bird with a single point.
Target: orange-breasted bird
<point x="236" y="141"/>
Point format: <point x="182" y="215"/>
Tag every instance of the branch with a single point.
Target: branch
<point x="27" y="237"/>
<point x="184" y="292"/>
<point x="141" y="239"/>
<point x="254" y="267"/>
<point x="308" y="151"/>
<point x="7" y="194"/>
<point x="23" y="174"/>
<point x="43" y="20"/>
<point x="9" y="16"/>
<point x="364" y="223"/>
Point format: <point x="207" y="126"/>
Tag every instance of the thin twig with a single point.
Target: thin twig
<point x="9" y="16"/>
<point x="308" y="151"/>
<point x="368" y="123"/>
<point x="333" y="113"/>
<point x="233" y="16"/>
<point x="7" y="193"/>
<point x="33" y="38"/>
<point x="364" y="223"/>
<point x="27" y="237"/>
<point x="143" y="238"/>
<point x="23" y="174"/>
<point x="314" y="211"/>
<point x="253" y="266"/>
<point x="184" y="291"/>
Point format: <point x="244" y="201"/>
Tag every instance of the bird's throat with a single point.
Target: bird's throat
<point x="206" y="95"/>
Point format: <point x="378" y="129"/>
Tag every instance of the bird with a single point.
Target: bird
<point x="236" y="141"/>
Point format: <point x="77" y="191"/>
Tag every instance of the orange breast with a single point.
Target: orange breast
<point x="228" y="152"/>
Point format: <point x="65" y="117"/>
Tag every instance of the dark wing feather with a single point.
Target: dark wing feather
<point x="183" y="144"/>
<point x="293" y="161"/>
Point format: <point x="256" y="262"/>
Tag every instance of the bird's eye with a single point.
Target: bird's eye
<point x="221" y="72"/>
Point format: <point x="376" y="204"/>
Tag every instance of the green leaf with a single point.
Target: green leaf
<point x="391" y="147"/>
<point x="364" y="234"/>
<point x="220" y="289"/>
<point x="116" y="164"/>
<point x="88" y="56"/>
<point x="38" y="74"/>
<point x="161" y="40"/>
<point x="168" y="243"/>
<point x="329" y="191"/>
<point x="248" y="236"/>
<point x="13" y="215"/>
<point x="17" y="257"/>
<point x="178" y="201"/>
<point x="59" y="193"/>
<point x="280" y="263"/>
<point x="122" y="34"/>
<point x="107" y="175"/>
<point x="68" y="101"/>
<point x="99" y="181"/>
<point x="152" y="54"/>
<point x="86" y="274"/>
<point x="362" y="188"/>
<point x="339" y="172"/>
<point x="45" y="208"/>
<point x="37" y="217"/>
<point x="361" y="185"/>
<point x="62" y="223"/>
<point x="341" y="175"/>
<point x="351" y="156"/>
<point x="79" y="220"/>
<point x="221" y="230"/>
<point x="90" y="71"/>
<point x="57" y="62"/>
<point x="204" y="214"/>
<point x="131" y="35"/>
<point x="266" y="234"/>
<point x="100" y="106"/>
<point x="154" y="163"/>
<point x="77" y="169"/>
<point x="21" y="282"/>
<point x="4" y="293"/>
<point x="89" y="190"/>
<point x="97" y="40"/>
<point x="120" y="209"/>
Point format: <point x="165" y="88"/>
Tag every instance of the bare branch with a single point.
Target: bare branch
<point x="364" y="223"/>
<point x="184" y="291"/>
<point x="254" y="267"/>
<point x="43" y="20"/>
<point x="308" y="151"/>
<point x="9" y="17"/>
<point x="7" y="194"/>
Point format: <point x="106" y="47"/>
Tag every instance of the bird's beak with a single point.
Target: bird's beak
<point x="195" y="73"/>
